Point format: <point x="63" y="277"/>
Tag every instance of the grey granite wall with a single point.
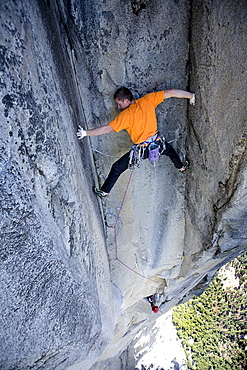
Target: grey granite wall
<point x="54" y="266"/>
<point x="67" y="302"/>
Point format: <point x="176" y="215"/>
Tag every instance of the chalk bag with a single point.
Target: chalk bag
<point x="153" y="154"/>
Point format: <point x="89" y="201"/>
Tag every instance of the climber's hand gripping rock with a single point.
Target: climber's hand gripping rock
<point x="193" y="100"/>
<point x="81" y="133"/>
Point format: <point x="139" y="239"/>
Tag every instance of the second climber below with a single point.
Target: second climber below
<point x="138" y="118"/>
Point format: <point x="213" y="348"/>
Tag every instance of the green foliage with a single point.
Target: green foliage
<point x="213" y="326"/>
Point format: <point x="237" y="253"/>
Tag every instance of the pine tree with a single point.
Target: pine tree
<point x="213" y="326"/>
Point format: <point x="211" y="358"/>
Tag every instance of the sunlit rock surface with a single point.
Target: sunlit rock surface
<point x="67" y="301"/>
<point x="156" y="346"/>
<point x="159" y="346"/>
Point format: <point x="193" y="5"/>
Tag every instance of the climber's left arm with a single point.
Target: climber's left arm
<point x="175" y="93"/>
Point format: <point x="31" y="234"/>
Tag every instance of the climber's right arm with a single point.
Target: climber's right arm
<point x="94" y="132"/>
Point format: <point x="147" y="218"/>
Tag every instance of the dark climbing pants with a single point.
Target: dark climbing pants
<point x="122" y="164"/>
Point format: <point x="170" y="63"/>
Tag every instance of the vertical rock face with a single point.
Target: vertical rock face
<point x="54" y="266"/>
<point x="66" y="299"/>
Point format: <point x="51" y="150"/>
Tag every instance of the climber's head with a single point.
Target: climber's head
<point x="123" y="98"/>
<point x="155" y="309"/>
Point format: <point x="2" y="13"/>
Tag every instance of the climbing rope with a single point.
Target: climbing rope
<point x="118" y="216"/>
<point x="115" y="233"/>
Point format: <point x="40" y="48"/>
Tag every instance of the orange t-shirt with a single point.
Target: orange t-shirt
<point x="139" y="119"/>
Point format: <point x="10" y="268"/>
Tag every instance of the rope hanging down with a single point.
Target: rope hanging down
<point x="115" y="233"/>
<point x="118" y="216"/>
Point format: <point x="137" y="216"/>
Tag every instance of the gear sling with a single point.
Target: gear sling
<point x="140" y="151"/>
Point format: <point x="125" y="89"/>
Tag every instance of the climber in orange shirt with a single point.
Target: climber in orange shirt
<point x="138" y="118"/>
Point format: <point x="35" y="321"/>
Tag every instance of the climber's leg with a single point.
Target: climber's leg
<point x="172" y="154"/>
<point x="117" y="168"/>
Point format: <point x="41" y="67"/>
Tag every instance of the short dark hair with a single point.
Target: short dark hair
<point x="123" y="93"/>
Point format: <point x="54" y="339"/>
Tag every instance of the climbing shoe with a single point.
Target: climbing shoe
<point x="100" y="193"/>
<point x="186" y="165"/>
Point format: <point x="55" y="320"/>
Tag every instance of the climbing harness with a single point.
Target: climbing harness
<point x="162" y="138"/>
<point x="155" y="146"/>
